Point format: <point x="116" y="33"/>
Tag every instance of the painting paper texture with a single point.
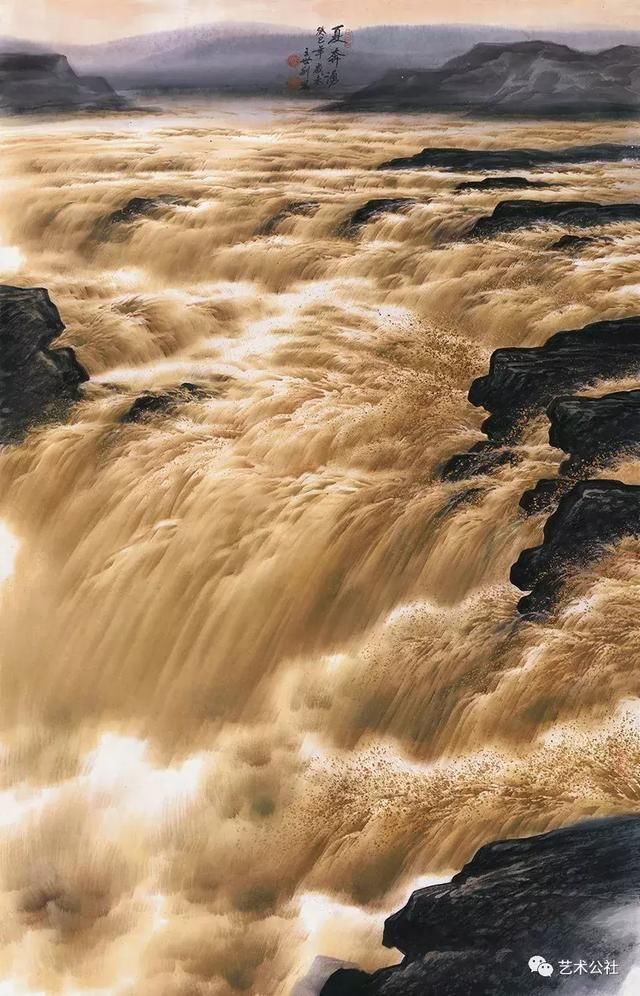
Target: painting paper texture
<point x="319" y="498"/>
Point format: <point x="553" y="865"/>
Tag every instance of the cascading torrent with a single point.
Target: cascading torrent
<point x="264" y="673"/>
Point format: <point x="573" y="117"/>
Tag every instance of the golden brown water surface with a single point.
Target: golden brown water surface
<point x="261" y="670"/>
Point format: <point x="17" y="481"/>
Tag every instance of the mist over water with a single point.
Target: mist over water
<point x="261" y="668"/>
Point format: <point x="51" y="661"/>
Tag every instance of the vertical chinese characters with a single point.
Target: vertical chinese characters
<point x="305" y="68"/>
<point x="321" y="44"/>
<point x="336" y="53"/>
<point x="320" y="67"/>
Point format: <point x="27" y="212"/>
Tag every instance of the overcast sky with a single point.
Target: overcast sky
<point x="100" y="20"/>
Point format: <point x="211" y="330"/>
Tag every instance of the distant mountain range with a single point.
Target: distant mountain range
<point x="539" y="78"/>
<point x="252" y="57"/>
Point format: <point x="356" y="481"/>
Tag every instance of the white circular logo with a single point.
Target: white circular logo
<point x="540" y="965"/>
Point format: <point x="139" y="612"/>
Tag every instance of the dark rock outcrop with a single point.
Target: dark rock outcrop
<point x="45" y="82"/>
<point x="537" y="78"/>
<point x="509" y="216"/>
<point x="545" y="495"/>
<point x="568" y="896"/>
<point x="36" y="382"/>
<point x="523" y="381"/>
<point x="592" y="515"/>
<point x="294" y="209"/>
<point x="346" y="982"/>
<point x="374" y="209"/>
<point x="472" y="160"/>
<point x="593" y="431"/>
<point x="503" y="183"/>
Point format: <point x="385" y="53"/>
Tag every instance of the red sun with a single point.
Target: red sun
<point x="293" y="61"/>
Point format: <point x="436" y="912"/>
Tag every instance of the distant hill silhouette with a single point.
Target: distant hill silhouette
<point x="521" y="78"/>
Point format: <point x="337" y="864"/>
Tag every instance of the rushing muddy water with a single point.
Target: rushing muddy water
<point x="261" y="669"/>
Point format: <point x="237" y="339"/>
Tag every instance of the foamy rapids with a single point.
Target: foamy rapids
<point x="261" y="669"/>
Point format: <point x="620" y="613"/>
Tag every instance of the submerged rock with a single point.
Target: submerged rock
<point x="458" y="500"/>
<point x="133" y="210"/>
<point x="294" y="209"/>
<point x="375" y="208"/>
<point x="482" y="458"/>
<point x="509" y="216"/>
<point x="573" y="243"/>
<point x="523" y="381"/>
<point x="141" y="207"/>
<point x="503" y="183"/>
<point x="569" y="897"/>
<point x="36" y="382"/>
<point x="592" y="515"/>
<point x="467" y="160"/>
<point x="155" y="402"/>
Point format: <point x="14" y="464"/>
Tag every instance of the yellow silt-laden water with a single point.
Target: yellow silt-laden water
<point x="261" y="667"/>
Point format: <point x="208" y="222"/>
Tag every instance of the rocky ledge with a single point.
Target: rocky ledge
<point x="31" y="82"/>
<point x="503" y="183"/>
<point x="566" y="899"/>
<point x="524" y="381"/>
<point x="467" y="160"/>
<point x="593" y="431"/>
<point x="592" y="515"/>
<point x="510" y="216"/>
<point x="36" y="382"/>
